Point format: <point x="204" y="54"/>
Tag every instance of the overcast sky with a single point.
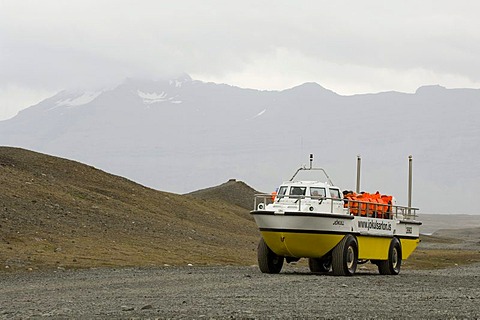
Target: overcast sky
<point x="346" y="46"/>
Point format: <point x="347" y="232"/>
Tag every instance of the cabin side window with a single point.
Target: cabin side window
<point x="297" y="191"/>
<point x="335" y="194"/>
<point x="317" y="192"/>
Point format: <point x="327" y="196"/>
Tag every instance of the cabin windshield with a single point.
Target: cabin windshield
<point x="281" y="192"/>
<point x="297" y="191"/>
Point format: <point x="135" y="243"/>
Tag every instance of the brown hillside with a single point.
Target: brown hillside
<point x="232" y="191"/>
<point x="60" y="213"/>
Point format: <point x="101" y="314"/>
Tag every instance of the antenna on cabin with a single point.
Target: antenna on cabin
<point x="410" y="159"/>
<point x="304" y="167"/>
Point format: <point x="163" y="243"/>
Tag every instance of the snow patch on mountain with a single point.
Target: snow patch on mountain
<point x="176" y="83"/>
<point x="260" y="113"/>
<point x="180" y="80"/>
<point x="154" y="97"/>
<point x="78" y="99"/>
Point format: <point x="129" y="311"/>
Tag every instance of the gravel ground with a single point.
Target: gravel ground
<point x="239" y="292"/>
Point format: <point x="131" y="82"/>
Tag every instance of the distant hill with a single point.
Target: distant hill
<point x="60" y="213"/>
<point x="432" y="223"/>
<point x="232" y="191"/>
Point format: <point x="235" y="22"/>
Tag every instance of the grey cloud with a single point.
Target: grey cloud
<point x="55" y="43"/>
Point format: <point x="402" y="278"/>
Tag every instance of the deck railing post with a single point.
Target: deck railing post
<point x="359" y="161"/>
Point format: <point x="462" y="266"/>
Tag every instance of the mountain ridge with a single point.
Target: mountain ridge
<point x="183" y="136"/>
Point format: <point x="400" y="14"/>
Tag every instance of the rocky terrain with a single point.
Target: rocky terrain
<point x="240" y="293"/>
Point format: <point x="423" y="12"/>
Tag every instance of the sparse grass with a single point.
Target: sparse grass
<point x="87" y="252"/>
<point x="441" y="258"/>
<point x="436" y="239"/>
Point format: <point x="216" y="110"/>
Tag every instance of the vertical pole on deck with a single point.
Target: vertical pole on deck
<point x="409" y="183"/>
<point x="359" y="161"/>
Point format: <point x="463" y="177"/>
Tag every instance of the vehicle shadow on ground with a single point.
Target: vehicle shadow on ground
<point x="328" y="274"/>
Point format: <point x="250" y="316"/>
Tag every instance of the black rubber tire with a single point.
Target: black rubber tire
<point x="268" y="261"/>
<point x="345" y="256"/>
<point x="320" y="265"/>
<point x="394" y="262"/>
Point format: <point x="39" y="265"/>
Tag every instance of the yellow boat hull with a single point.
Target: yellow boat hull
<point x="316" y="245"/>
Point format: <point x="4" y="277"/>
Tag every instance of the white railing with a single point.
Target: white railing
<point x="354" y="207"/>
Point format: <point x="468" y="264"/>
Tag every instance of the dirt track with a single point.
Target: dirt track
<point x="240" y="292"/>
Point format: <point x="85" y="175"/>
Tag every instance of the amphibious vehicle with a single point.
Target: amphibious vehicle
<point x="336" y="230"/>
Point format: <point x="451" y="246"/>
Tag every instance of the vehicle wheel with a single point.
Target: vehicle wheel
<point x="268" y="261"/>
<point x="323" y="264"/>
<point x="345" y="256"/>
<point x="392" y="265"/>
